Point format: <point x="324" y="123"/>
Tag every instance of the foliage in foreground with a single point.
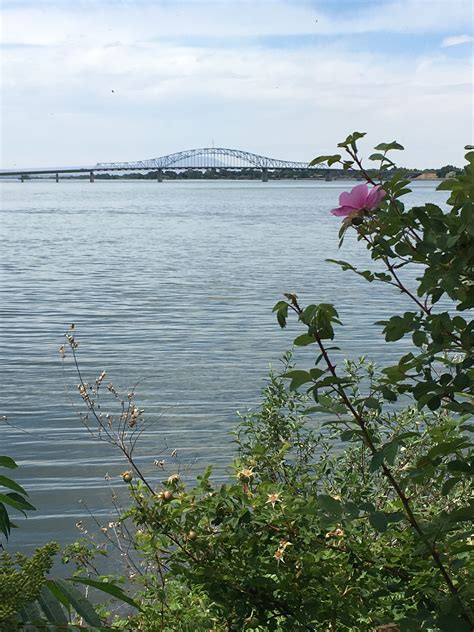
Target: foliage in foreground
<point x="306" y="536"/>
<point x="390" y="520"/>
<point x="311" y="538"/>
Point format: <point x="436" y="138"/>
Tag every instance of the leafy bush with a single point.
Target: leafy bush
<point x="21" y="583"/>
<point x="307" y="535"/>
<point x="15" y="498"/>
<point x="29" y="598"/>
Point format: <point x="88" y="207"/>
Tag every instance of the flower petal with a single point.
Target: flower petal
<point x="357" y="197"/>
<point x="375" y="196"/>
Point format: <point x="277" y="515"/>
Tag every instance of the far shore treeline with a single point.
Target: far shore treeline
<point x="221" y="173"/>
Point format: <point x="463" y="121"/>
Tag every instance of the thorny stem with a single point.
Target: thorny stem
<point x="403" y="288"/>
<point x="399" y="284"/>
<point x="361" y="422"/>
<point x="358" y="162"/>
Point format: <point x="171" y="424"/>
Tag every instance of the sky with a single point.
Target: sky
<point x="86" y="81"/>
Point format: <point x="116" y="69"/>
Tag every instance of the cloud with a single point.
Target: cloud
<point x="87" y="22"/>
<point x="455" y="40"/>
<point x="121" y="83"/>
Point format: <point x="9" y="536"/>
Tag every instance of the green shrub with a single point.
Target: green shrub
<point x="349" y="504"/>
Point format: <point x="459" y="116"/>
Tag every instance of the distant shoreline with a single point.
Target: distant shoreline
<point x="182" y="178"/>
<point x="195" y="180"/>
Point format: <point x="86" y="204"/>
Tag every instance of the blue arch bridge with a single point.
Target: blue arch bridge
<point x="192" y="159"/>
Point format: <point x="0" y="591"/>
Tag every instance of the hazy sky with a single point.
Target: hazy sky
<point x="88" y="81"/>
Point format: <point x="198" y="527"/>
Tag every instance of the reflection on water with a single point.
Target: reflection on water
<point x="171" y="288"/>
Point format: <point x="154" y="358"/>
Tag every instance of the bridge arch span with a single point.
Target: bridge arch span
<point x="207" y="157"/>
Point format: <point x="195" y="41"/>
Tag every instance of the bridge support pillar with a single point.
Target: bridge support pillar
<point x="22" y="178"/>
<point x="264" y="174"/>
<point x="328" y="176"/>
<point x="159" y="177"/>
<point x="91" y="176"/>
<point x="57" y="177"/>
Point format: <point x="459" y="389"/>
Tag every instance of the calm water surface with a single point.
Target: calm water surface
<point x="171" y="288"/>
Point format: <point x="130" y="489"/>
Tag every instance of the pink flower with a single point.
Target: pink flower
<point x="360" y="198"/>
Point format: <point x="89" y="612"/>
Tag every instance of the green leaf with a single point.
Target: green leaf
<point x="319" y="159"/>
<point x="7" y="482"/>
<point x="16" y="501"/>
<point x="379" y="157"/>
<point x="5" y="524"/>
<point x="390" y="451"/>
<point x="330" y="505"/>
<point x="434" y="403"/>
<point x="388" y="394"/>
<point x="343" y="264"/>
<point x="376" y="461"/>
<point x="419" y="338"/>
<point x="30" y="613"/>
<point x="308" y="314"/>
<point x="281" y="309"/>
<point x="351" y="510"/>
<point x="108" y="588"/>
<point x="459" y="466"/>
<point x="58" y="594"/>
<point x="51" y="608"/>
<point x="6" y="461"/>
<point x="297" y="378"/>
<point x="281" y="319"/>
<point x="319" y="409"/>
<point x="448" y="485"/>
<point x="462" y="514"/>
<point x="397" y="326"/>
<point x="395" y="516"/>
<point x="379" y="521"/>
<point x="303" y="340"/>
<point x="352" y="139"/>
<point x="80" y="604"/>
<point x="347" y="435"/>
<point x="333" y="159"/>
<point x="389" y="146"/>
<point x="394" y="373"/>
<point x="373" y="403"/>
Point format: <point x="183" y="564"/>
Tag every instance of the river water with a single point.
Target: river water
<point x="171" y="288"/>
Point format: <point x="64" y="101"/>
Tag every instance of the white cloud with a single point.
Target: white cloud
<point x="84" y="22"/>
<point x="58" y="106"/>
<point x="455" y="40"/>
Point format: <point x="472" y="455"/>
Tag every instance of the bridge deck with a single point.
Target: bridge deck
<point x="205" y="158"/>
